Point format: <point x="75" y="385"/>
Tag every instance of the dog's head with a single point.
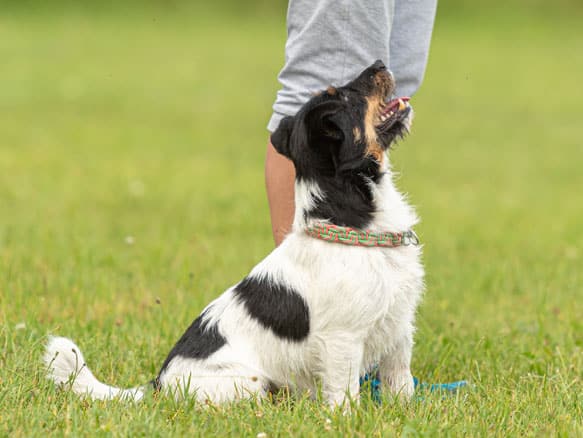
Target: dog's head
<point x="346" y="130"/>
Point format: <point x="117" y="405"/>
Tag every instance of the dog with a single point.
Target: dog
<point x="336" y="298"/>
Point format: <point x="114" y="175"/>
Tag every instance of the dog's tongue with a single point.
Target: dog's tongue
<point x="399" y="103"/>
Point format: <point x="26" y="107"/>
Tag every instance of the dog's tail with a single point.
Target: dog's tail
<point x="66" y="367"/>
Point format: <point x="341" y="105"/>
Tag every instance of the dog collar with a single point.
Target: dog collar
<point x="355" y="237"/>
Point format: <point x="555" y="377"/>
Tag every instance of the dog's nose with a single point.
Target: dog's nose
<point x="379" y="65"/>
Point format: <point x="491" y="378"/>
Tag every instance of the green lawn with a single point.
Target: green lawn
<point x="131" y="194"/>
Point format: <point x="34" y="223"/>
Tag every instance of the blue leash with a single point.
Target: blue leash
<point x="451" y="387"/>
<point x="375" y="386"/>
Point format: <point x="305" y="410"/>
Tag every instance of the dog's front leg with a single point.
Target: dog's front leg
<point x="395" y="367"/>
<point x="340" y="380"/>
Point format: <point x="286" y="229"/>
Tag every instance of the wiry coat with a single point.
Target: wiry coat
<point x="312" y="312"/>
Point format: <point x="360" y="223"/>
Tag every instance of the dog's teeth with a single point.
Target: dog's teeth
<point x="384" y="117"/>
<point x="391" y="113"/>
<point x="402" y="105"/>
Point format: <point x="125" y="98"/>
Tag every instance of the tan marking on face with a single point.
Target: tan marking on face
<point x="371" y="119"/>
<point x="357" y="133"/>
<point x="331" y="91"/>
<point x="384" y="82"/>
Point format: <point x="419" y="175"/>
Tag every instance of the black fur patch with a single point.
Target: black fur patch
<point x="276" y="307"/>
<point x="198" y="342"/>
<point x="348" y="202"/>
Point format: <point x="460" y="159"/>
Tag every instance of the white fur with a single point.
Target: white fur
<point x="362" y="304"/>
<point x="67" y="367"/>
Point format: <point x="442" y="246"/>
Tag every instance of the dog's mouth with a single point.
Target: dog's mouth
<point x="391" y="113"/>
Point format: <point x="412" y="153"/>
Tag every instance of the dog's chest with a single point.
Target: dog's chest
<point x="355" y="287"/>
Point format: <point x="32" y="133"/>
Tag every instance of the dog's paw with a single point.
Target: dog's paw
<point x="401" y="384"/>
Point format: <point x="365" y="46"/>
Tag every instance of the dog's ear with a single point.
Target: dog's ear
<point x="327" y="126"/>
<point x="281" y="137"/>
<point x="323" y="124"/>
<point x="328" y="132"/>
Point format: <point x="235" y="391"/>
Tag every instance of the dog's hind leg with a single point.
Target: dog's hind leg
<point x="214" y="382"/>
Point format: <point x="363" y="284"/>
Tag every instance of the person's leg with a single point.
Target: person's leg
<point x="410" y="39"/>
<point x="329" y="42"/>
<point x="279" y="182"/>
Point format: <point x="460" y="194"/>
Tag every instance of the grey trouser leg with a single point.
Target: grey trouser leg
<point x="330" y="41"/>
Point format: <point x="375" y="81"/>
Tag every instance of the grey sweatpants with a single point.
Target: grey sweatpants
<point x="330" y="41"/>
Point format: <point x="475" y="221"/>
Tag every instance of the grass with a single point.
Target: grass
<point x="131" y="194"/>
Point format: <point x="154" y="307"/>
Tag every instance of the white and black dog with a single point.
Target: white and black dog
<point x="314" y="313"/>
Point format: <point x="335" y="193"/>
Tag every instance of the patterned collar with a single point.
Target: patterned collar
<point x="355" y="237"/>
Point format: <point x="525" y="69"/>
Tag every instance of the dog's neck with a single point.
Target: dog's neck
<point x="387" y="209"/>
